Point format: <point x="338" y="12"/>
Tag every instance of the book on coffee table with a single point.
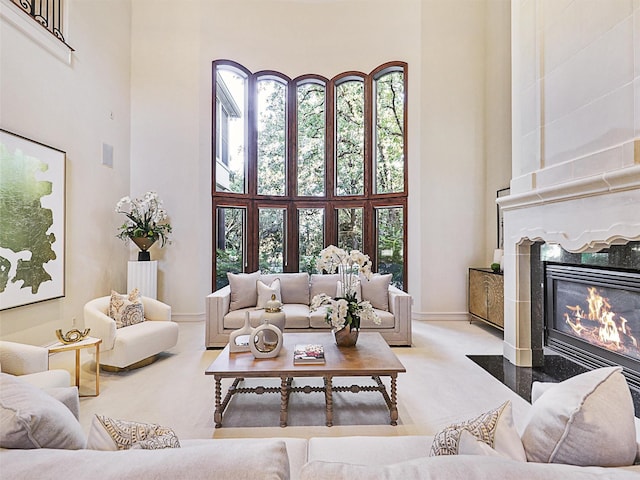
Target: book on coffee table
<point x="308" y="353"/>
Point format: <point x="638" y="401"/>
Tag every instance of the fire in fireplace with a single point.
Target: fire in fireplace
<point x="592" y="315"/>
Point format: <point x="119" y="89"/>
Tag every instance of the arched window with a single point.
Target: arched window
<point x="302" y="163"/>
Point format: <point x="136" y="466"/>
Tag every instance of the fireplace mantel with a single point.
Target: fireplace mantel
<point x="584" y="215"/>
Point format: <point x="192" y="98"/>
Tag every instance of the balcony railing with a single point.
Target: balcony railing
<point x="47" y="13"/>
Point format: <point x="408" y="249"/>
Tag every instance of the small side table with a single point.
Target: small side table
<point x="88" y="342"/>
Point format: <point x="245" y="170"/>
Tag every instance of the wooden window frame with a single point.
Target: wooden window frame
<point x="250" y="200"/>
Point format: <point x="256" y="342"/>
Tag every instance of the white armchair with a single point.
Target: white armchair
<point x="136" y="345"/>
<point x="31" y="363"/>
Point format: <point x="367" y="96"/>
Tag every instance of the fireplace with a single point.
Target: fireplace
<point x="592" y="315"/>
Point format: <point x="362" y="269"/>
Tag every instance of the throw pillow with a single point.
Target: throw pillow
<point x="495" y="428"/>
<point x="125" y="309"/>
<point x="31" y="418"/>
<point x="376" y="290"/>
<point x="243" y="289"/>
<point x="110" y="434"/>
<point x="265" y="291"/>
<point x="585" y="420"/>
<point x="357" y="287"/>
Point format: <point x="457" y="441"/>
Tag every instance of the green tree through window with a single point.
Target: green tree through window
<point x="303" y="163"/>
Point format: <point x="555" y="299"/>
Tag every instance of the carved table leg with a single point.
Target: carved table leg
<point x="284" y="400"/>
<point x="217" y="416"/>
<point x="393" y="408"/>
<point x="328" y="395"/>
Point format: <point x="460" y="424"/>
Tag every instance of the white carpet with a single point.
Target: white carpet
<point x="441" y="386"/>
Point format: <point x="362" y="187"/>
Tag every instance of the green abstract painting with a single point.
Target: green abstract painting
<point x="32" y="195"/>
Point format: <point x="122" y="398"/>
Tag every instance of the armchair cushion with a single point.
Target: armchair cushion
<point x="22" y="359"/>
<point x="126" y="309"/>
<point x="31" y="418"/>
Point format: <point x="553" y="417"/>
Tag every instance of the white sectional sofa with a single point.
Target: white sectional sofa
<point x="584" y="428"/>
<point x="297" y="290"/>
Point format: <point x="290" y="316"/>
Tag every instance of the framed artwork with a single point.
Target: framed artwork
<point x="503" y="192"/>
<point x="32" y="221"/>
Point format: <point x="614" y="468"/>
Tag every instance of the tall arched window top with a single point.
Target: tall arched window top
<point x="302" y="163"/>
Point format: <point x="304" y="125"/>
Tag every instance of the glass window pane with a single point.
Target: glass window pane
<point x="350" y="138"/>
<point x="231" y="130"/>
<point x="311" y="238"/>
<point x="230" y="242"/>
<point x="390" y="227"/>
<point x="389" y="149"/>
<point x="271" y="239"/>
<point x="272" y="136"/>
<point x="311" y="139"/>
<point x="350" y="228"/>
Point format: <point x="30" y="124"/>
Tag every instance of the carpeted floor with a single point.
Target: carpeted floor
<point x="441" y="385"/>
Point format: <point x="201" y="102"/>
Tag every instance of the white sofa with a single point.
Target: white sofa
<point x="135" y="345"/>
<point x="297" y="290"/>
<point x="403" y="457"/>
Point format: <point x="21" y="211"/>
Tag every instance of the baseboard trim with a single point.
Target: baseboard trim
<point x="440" y="316"/>
<point x="187" y="317"/>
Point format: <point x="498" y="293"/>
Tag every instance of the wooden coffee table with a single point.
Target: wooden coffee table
<point x="372" y="357"/>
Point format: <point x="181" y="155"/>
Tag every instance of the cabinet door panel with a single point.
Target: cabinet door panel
<point x="495" y="299"/>
<point x="477" y="294"/>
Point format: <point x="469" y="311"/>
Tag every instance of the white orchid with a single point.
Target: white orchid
<point x="345" y="309"/>
<point x="146" y="218"/>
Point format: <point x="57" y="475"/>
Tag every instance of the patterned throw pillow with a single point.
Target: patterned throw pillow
<point x="265" y="291"/>
<point x="110" y="434"/>
<point x="494" y="429"/>
<point x="126" y="309"/>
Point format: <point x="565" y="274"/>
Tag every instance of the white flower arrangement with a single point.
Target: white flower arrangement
<point x="345" y="310"/>
<point x="146" y="218"/>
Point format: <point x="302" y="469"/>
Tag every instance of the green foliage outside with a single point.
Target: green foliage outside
<point x="349" y="123"/>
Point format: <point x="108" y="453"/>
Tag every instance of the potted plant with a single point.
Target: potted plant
<point x="146" y="222"/>
<point x="345" y="312"/>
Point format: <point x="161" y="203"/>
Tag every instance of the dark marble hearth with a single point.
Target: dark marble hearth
<point x="519" y="379"/>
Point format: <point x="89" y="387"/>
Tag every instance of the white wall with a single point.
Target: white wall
<point x="68" y="107"/>
<point x="456" y="103"/>
<point x="444" y="45"/>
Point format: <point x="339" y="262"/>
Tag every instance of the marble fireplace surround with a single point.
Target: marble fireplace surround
<point x="583" y="215"/>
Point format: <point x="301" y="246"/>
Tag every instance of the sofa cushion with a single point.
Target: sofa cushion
<point x="111" y="434"/>
<point x="323" y="284"/>
<point x="217" y="459"/>
<point x="495" y="428"/>
<point x="243" y="288"/>
<point x="30" y="418"/>
<point x="265" y="291"/>
<point x="126" y="309"/>
<point x="585" y="420"/>
<point x="294" y="286"/>
<point x="467" y="467"/>
<point x="376" y="290"/>
<point x="296" y="316"/>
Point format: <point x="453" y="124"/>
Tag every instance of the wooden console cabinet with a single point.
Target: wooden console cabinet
<point x="486" y="296"/>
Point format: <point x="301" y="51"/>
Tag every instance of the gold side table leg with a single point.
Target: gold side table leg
<point x="97" y="369"/>
<point x="78" y="369"/>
